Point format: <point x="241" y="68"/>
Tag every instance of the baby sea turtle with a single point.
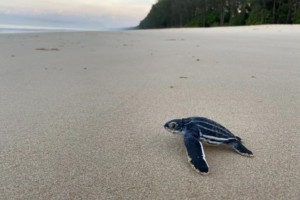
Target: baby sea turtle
<point x="199" y="129"/>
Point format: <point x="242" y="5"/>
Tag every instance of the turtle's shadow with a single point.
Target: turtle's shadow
<point x="217" y="149"/>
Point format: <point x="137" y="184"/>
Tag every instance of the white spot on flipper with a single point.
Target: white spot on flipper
<point x="197" y="170"/>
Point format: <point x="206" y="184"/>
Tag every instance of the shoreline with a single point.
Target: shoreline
<point x="6" y="29"/>
<point x="21" y="29"/>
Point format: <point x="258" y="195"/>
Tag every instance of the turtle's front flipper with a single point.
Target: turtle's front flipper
<point x="196" y="153"/>
<point x="240" y="148"/>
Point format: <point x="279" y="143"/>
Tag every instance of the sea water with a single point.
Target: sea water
<point x="4" y="28"/>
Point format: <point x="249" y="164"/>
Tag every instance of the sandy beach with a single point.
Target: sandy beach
<point x="82" y="113"/>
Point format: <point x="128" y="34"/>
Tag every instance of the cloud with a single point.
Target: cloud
<point x="99" y="22"/>
<point x="87" y="13"/>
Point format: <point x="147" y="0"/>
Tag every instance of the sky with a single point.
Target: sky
<point x="82" y="14"/>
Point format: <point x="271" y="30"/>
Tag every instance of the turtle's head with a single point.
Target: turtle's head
<point x="174" y="126"/>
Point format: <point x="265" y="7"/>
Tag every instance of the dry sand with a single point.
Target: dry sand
<point x="82" y="113"/>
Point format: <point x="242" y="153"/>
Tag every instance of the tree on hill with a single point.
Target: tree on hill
<point x="207" y="13"/>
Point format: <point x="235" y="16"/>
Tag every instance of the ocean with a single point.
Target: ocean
<point x="4" y="28"/>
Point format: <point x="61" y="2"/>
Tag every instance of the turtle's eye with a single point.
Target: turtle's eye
<point x="173" y="125"/>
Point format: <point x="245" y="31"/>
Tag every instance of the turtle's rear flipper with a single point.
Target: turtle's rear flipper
<point x="240" y="148"/>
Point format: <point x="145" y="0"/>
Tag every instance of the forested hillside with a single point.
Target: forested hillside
<point x="207" y="13"/>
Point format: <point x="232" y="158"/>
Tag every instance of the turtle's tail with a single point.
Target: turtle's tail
<point x="240" y="148"/>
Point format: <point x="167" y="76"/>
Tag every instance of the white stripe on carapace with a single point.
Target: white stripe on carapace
<point x="203" y="139"/>
<point x="216" y="125"/>
<point x="212" y="124"/>
<point x="212" y="130"/>
<point x="216" y="138"/>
